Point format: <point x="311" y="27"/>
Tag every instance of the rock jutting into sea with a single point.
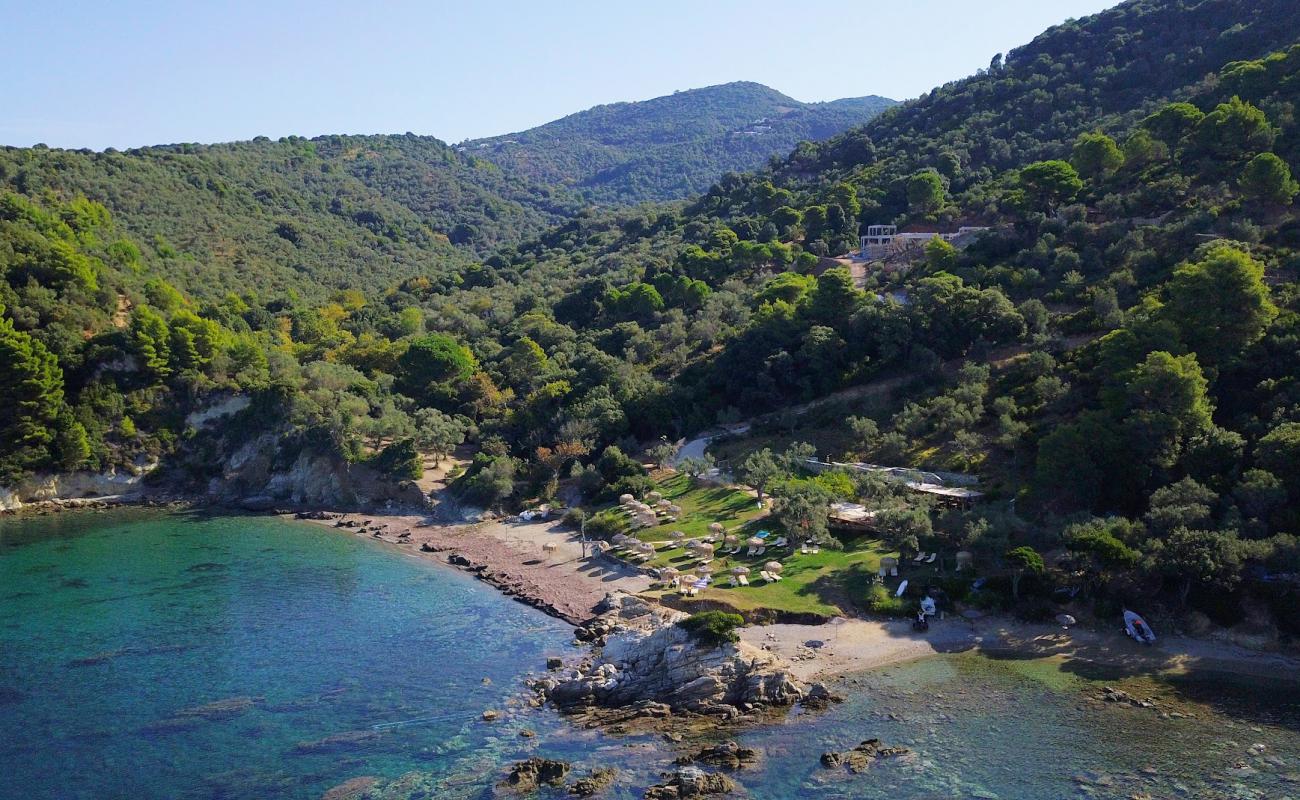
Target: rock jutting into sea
<point x="657" y="668"/>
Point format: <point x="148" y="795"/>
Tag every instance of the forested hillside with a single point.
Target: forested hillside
<point x="1117" y="354"/>
<point x="296" y="215"/>
<point x="670" y="147"/>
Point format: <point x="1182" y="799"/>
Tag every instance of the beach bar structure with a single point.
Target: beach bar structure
<point x="949" y="489"/>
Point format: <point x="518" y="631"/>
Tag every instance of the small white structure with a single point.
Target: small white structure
<point x="881" y="241"/>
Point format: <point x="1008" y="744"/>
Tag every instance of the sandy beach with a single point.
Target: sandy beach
<point x="510" y="556"/>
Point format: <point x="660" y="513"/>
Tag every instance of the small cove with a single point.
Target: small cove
<point x="146" y="654"/>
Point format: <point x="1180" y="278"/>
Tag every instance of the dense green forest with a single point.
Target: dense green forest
<point x="670" y="147"/>
<point x="300" y="216"/>
<point x="1116" y="358"/>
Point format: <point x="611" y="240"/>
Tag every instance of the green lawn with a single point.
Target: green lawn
<point x="825" y="583"/>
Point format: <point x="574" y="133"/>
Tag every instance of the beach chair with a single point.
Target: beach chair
<point x="803" y="548"/>
<point x="776" y="576"/>
<point x="919" y="557"/>
<point x="767" y="576"/>
<point x="732" y="581"/>
<point x="932" y="557"/>
<point x="814" y="550"/>
<point x="893" y="571"/>
<point x="782" y="542"/>
<point x="742" y="580"/>
<point x="760" y="551"/>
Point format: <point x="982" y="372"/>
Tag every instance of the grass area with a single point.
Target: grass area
<point x="825" y="583"/>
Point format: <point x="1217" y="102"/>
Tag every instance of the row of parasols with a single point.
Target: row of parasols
<point x="646" y="514"/>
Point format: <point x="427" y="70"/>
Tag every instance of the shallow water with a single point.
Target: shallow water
<point x="116" y="630"/>
<point x="119" y="631"/>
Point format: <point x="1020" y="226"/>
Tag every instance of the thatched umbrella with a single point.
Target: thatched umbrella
<point x="618" y="538"/>
<point x="716" y="527"/>
<point x="674" y="509"/>
<point x="774" y="566"/>
<point x="754" y="541"/>
<point x="677" y="536"/>
<point x="646" y="547"/>
<point x="625" y="499"/>
<point x="668" y="573"/>
<point x="704" y="570"/>
<point x="663" y="505"/>
<point x="740" y="570"/>
<point x="654" y="497"/>
<point x="730" y="538"/>
<point x="965" y="559"/>
<point x="687" y="579"/>
<point x="704" y="549"/>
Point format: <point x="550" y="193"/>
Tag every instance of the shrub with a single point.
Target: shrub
<point x="714" y="628"/>
<point x="882" y="601"/>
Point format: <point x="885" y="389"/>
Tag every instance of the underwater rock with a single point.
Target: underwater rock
<point x="351" y="789"/>
<point x="337" y="742"/>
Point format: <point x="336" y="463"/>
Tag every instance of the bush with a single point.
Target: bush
<point x="714" y="628"/>
<point x="882" y="601"/>
<point x="399" y="460"/>
<point x="603" y="526"/>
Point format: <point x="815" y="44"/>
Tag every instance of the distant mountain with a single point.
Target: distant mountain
<point x="670" y="147"/>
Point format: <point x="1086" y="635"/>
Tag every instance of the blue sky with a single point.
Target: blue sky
<point x="133" y="72"/>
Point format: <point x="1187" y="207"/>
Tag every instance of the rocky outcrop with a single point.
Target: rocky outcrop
<point x="598" y="781"/>
<point x="728" y="755"/>
<point x="530" y="775"/>
<point x="860" y="758"/>
<point x="665" y="667"/>
<point x="691" y="782"/>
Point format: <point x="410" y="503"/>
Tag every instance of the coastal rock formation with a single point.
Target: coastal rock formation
<point x="691" y="782"/>
<point x="665" y="665"/>
<point x="46" y="488"/>
<point x="860" y="758"/>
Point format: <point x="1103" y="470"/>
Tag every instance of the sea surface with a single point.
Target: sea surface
<point x="148" y="654"/>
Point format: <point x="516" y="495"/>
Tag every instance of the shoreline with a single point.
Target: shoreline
<point x="561" y="582"/>
<point x="509" y="556"/>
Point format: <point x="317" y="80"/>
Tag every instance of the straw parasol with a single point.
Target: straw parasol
<point x="646" y="547"/>
<point x="964" y="559"/>
<point x="663" y="505"/>
<point x="674" y="509"/>
<point x="704" y="548"/>
<point x="618" y="538"/>
<point x="625" y="498"/>
<point x="716" y="527"/>
<point x="654" y="496"/>
<point x="704" y="570"/>
<point x="740" y="570"/>
<point x="668" y="573"/>
<point x="677" y="536"/>
<point x="688" y="579"/>
<point x="773" y="566"/>
<point x="754" y="541"/>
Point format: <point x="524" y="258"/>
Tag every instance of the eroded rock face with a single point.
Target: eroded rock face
<point x="665" y="665"/>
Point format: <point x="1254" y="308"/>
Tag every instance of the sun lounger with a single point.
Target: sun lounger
<point x="776" y="576"/>
<point x="893" y="571"/>
<point x="749" y="551"/>
<point x="932" y="557"/>
<point x="760" y="551"/>
<point x="919" y="557"/>
<point x="731" y="581"/>
<point x="742" y="580"/>
<point x="803" y="548"/>
<point x="767" y="576"/>
<point x="902" y="587"/>
<point x="782" y="542"/>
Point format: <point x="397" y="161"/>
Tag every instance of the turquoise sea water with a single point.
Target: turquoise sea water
<point x="172" y="655"/>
